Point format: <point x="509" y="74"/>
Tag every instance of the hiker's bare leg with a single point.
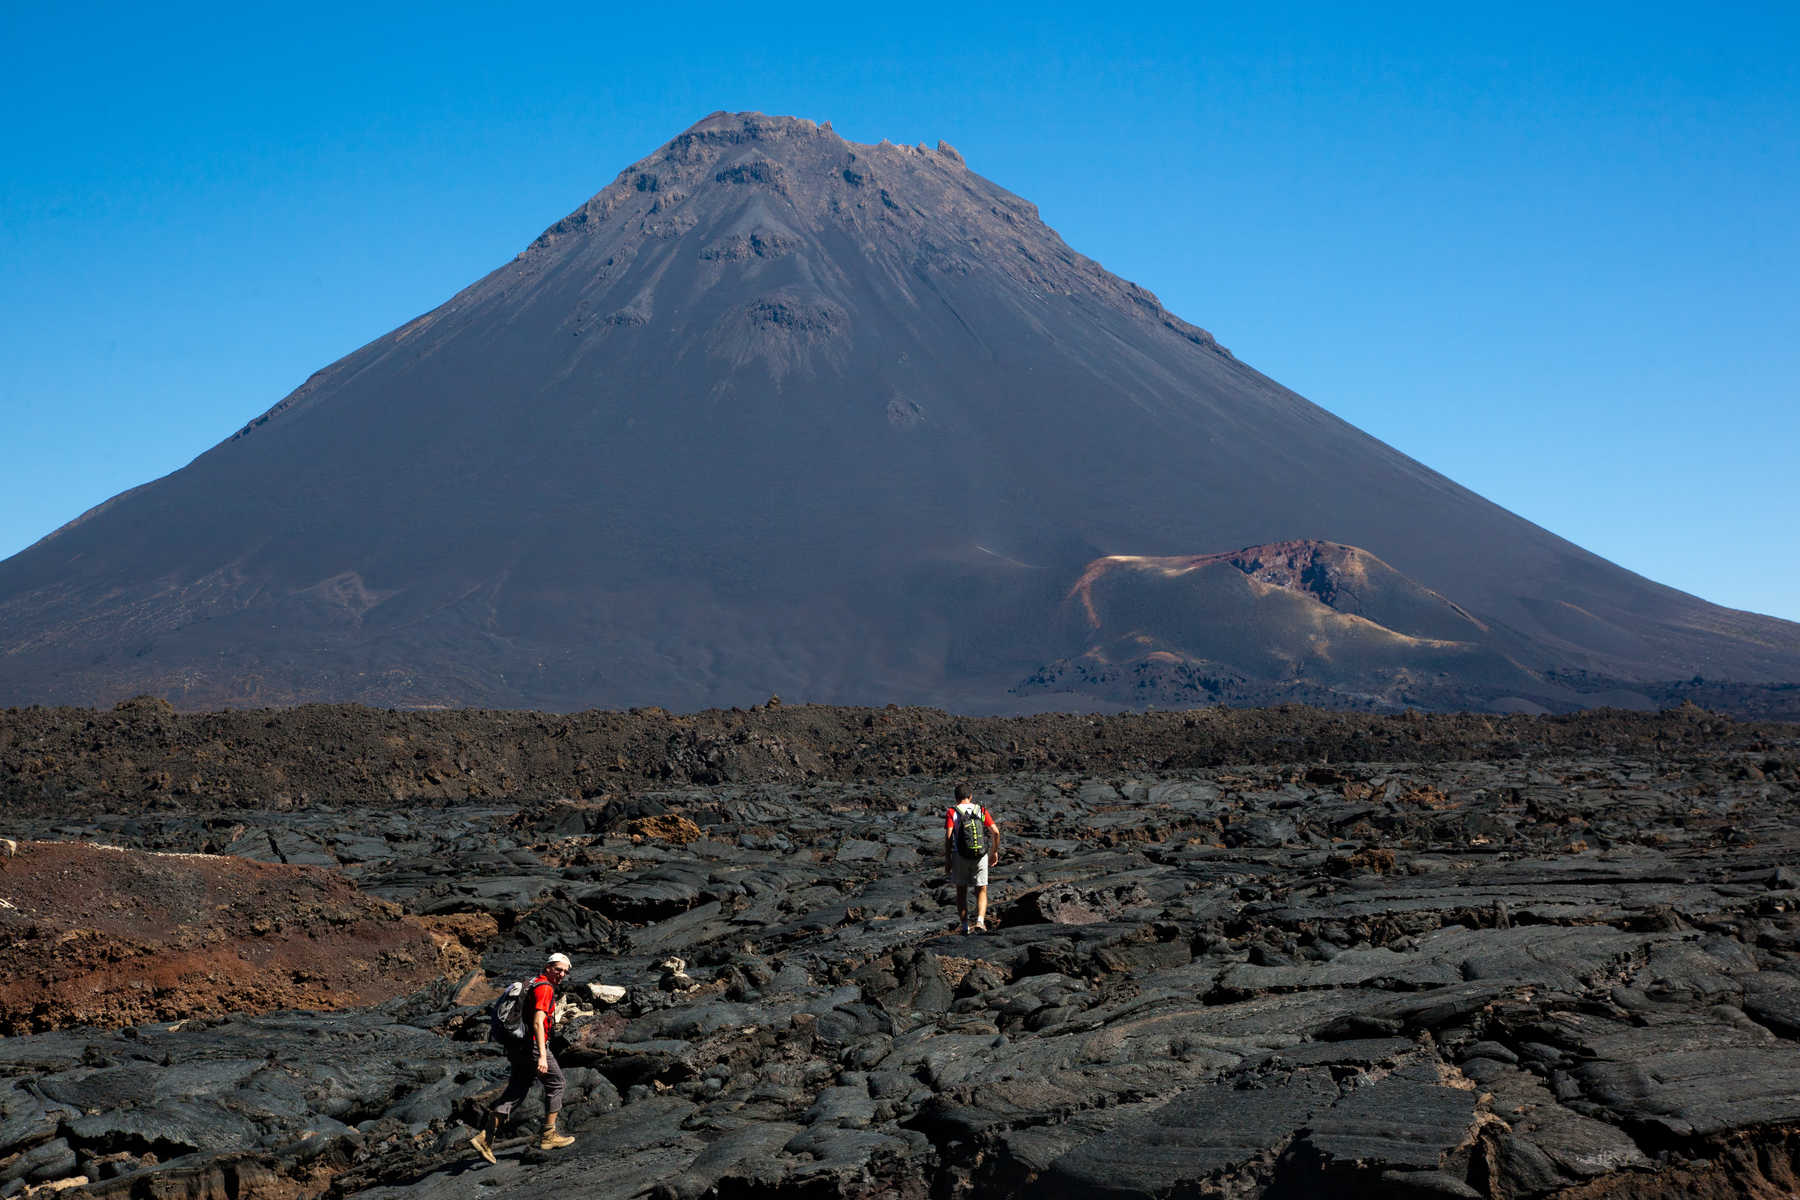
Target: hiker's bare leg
<point x="981" y="905"/>
<point x="962" y="901"/>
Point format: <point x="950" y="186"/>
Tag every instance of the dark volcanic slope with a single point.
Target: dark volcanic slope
<point x="779" y="412"/>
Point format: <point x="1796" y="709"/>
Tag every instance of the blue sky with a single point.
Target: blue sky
<point x="1551" y="252"/>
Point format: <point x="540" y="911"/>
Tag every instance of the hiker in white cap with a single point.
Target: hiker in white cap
<point x="528" y="1054"/>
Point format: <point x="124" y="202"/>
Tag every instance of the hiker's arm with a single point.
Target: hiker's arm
<point x="994" y="829"/>
<point x="541" y="1021"/>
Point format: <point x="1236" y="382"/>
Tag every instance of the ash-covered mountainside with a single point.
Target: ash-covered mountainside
<point x="778" y="412"/>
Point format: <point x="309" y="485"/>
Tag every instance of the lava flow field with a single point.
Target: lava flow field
<point x="1560" y="962"/>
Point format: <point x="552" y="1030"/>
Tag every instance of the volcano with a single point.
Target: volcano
<point x="775" y="412"/>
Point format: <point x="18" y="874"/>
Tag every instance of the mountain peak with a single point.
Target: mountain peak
<point x="736" y="176"/>
<point x="752" y="124"/>
<point x="734" y="128"/>
<point x="774" y="411"/>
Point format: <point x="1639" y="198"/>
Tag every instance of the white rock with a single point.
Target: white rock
<point x="605" y="993"/>
<point x="567" y="1010"/>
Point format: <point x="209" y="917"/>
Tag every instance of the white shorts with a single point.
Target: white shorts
<point x="968" y="873"/>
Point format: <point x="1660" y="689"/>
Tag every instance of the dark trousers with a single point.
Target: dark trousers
<point x="522" y="1058"/>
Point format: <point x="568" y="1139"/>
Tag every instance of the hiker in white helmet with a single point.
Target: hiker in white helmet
<point x="528" y="1054"/>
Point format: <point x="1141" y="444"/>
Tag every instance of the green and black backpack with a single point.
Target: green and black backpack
<point x="971" y="834"/>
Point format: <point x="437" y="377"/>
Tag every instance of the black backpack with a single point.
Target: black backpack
<point x="971" y="834"/>
<point x="509" y="1012"/>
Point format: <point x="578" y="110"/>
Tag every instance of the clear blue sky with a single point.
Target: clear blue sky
<point x="1552" y="252"/>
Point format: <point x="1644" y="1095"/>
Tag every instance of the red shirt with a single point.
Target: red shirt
<point x="543" y="1000"/>
<point x="987" y="818"/>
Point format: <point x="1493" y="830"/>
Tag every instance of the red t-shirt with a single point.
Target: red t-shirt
<point x="543" y="1000"/>
<point x="987" y="818"/>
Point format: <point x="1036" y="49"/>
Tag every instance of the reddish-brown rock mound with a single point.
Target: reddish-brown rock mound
<point x="93" y="935"/>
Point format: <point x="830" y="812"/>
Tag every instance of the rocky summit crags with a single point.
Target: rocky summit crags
<point x="778" y="412"/>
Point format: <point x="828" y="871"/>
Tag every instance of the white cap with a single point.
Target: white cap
<point x="559" y="960"/>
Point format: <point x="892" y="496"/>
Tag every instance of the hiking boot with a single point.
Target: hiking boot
<point x="552" y="1140"/>
<point x="965" y="928"/>
<point x="483" y="1141"/>
<point x="979" y="927"/>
